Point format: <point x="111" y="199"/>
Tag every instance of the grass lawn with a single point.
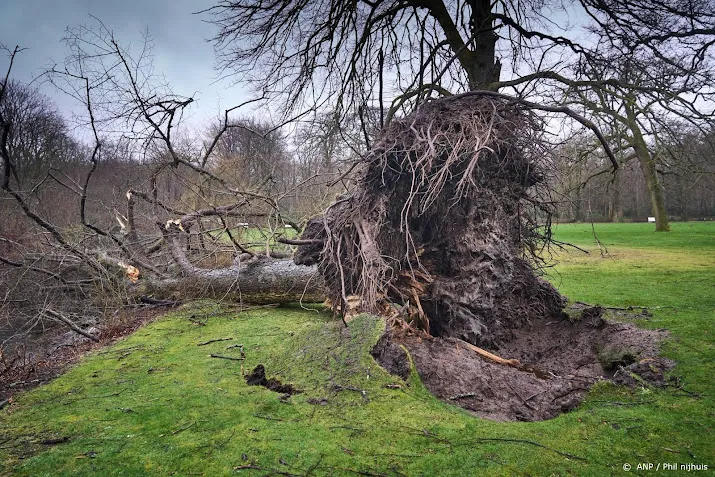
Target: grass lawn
<point x="156" y="403"/>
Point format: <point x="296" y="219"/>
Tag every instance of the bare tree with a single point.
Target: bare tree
<point x="252" y="157"/>
<point x="39" y="138"/>
<point x="390" y="54"/>
<point x="656" y="66"/>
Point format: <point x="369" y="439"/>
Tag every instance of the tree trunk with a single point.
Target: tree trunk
<point x="257" y="280"/>
<point x="261" y="282"/>
<point x="578" y="205"/>
<point x="657" y="199"/>
<point x="616" y="203"/>
<point x="484" y="68"/>
<point x="645" y="159"/>
<point x="479" y="61"/>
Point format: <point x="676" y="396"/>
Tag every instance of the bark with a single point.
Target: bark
<point x="259" y="280"/>
<point x="578" y="205"/>
<point x="266" y="281"/>
<point x="645" y="159"/>
<point x="655" y="190"/>
<point x="479" y="61"/>
<point x="70" y="324"/>
<point x="615" y="211"/>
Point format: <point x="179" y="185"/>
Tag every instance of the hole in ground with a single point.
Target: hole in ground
<point x="574" y="355"/>
<point x="257" y="377"/>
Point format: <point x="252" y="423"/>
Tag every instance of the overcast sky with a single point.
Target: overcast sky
<point x="180" y="47"/>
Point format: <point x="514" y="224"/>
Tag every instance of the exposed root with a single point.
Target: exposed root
<point x="443" y="223"/>
<point x="514" y="363"/>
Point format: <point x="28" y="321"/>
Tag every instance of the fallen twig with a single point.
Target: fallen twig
<point x="213" y="341"/>
<point x="263" y="469"/>
<point x="173" y="433"/>
<point x="68" y="322"/>
<point x="152" y="301"/>
<point x="101" y="396"/>
<point x="461" y="396"/>
<point x="617" y="308"/>
<point x="298" y="241"/>
<point x="533" y="443"/>
<point x="268" y="418"/>
<point x="362" y="472"/>
<point x="339" y="387"/>
<point x="226" y="357"/>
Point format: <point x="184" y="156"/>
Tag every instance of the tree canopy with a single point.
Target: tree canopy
<point x="399" y="52"/>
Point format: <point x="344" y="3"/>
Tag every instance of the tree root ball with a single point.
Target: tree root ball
<point x="444" y="224"/>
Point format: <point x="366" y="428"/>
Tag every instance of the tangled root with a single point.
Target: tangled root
<point x="443" y="227"/>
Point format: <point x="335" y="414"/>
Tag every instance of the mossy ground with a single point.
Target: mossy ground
<point x="156" y="403"/>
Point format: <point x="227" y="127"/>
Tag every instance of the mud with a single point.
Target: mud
<point x="561" y="359"/>
<point x="257" y="377"/>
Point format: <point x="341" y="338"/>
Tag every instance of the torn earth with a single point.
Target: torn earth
<point x="567" y="357"/>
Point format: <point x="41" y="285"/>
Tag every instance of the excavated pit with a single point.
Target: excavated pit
<point x="570" y="355"/>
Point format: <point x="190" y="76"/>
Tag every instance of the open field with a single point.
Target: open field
<point x="156" y="403"/>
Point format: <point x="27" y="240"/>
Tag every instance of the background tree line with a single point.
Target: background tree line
<point x="685" y="164"/>
<point x="304" y="169"/>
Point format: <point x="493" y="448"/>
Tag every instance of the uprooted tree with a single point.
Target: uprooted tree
<point x="629" y="66"/>
<point x="445" y="214"/>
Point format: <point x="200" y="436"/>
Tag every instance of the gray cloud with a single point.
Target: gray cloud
<point x="179" y="37"/>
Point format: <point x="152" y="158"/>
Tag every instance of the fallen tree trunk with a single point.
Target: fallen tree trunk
<point x="261" y="282"/>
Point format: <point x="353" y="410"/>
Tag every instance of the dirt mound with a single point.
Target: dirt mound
<point x="566" y="358"/>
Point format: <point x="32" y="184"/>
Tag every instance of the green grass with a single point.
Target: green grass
<point x="157" y="404"/>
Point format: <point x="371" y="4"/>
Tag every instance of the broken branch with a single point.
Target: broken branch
<point x="514" y="363"/>
<point x="226" y="357"/>
<point x="70" y="324"/>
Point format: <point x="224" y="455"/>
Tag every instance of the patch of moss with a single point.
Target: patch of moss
<point x="156" y="403"/>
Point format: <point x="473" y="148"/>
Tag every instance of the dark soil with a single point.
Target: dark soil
<point x="391" y="356"/>
<point x="257" y="377"/>
<point x="569" y="355"/>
